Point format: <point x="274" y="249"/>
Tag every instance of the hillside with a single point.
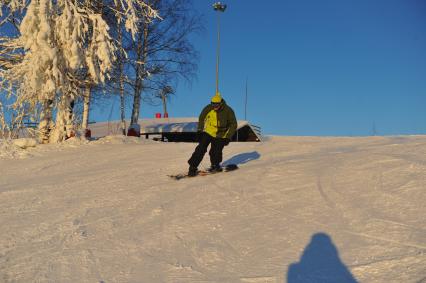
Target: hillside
<point x="299" y="209"/>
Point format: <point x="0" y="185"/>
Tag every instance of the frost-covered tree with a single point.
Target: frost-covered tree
<point x="58" y="41"/>
<point x="162" y="52"/>
<point x="117" y="81"/>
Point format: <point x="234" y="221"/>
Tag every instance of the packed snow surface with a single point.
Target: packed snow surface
<point x="299" y="209"/>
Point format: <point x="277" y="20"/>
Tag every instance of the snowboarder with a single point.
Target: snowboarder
<point x="216" y="126"/>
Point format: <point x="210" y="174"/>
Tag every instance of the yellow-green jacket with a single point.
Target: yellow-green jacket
<point x="218" y="124"/>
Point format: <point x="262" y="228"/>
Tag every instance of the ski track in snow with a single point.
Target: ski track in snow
<point x="299" y="209"/>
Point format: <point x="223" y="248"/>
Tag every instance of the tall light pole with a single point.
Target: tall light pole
<point x="218" y="7"/>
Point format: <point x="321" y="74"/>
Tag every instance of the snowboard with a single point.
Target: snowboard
<point x="227" y="168"/>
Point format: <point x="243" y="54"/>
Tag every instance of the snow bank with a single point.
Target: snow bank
<point x="120" y="139"/>
<point x="10" y="150"/>
<point x="25" y="142"/>
<point x="27" y="147"/>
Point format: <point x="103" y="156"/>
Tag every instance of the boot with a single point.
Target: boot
<point x="192" y="171"/>
<point x="215" y="168"/>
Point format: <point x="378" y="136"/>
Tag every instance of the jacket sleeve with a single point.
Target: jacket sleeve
<point x="232" y="124"/>
<point x="202" y="118"/>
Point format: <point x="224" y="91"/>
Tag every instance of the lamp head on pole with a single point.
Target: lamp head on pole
<point x="219" y="7"/>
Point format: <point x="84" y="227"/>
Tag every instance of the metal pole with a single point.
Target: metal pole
<point x="219" y="7"/>
<point x="217" y="53"/>
<point x="245" y="104"/>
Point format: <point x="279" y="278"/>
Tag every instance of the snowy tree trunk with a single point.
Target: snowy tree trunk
<point x="64" y="127"/>
<point x="2" y="122"/>
<point x="122" y="106"/>
<point x="86" y="108"/>
<point x="142" y="54"/>
<point x="44" y="127"/>
<point x="121" y="67"/>
<point x="137" y="94"/>
<point x="163" y="97"/>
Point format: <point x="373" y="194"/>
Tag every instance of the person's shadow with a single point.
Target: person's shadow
<point x="242" y="158"/>
<point x="320" y="263"/>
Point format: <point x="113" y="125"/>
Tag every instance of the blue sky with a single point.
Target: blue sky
<point x="331" y="67"/>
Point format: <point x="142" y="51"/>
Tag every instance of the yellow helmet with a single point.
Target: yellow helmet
<point x="217" y="98"/>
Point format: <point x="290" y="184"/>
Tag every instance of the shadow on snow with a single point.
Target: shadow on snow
<point x="320" y="263"/>
<point x="242" y="158"/>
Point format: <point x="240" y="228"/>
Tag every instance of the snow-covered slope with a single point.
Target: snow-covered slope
<point x="299" y="209"/>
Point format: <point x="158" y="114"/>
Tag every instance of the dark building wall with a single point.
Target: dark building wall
<point x="244" y="134"/>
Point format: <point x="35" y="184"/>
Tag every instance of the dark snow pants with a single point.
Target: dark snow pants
<point x="215" y="152"/>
